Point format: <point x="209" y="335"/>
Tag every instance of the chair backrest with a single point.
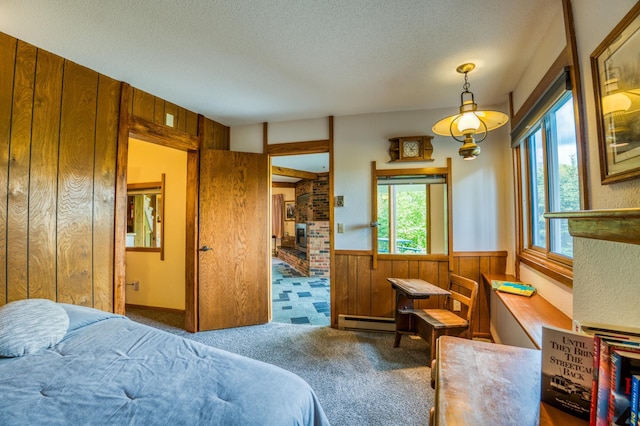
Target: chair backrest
<point x="465" y="291"/>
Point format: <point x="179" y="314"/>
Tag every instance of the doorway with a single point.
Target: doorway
<point x="301" y="239"/>
<point x="154" y="280"/>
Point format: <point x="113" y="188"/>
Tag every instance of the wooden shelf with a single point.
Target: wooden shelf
<point x="530" y="312"/>
<point x="619" y="225"/>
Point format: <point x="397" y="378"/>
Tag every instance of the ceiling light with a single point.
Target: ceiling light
<point x="470" y="121"/>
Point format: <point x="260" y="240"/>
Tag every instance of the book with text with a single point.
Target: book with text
<point x="635" y="399"/>
<point x="607" y="345"/>
<point x="624" y="364"/>
<point x="567" y="371"/>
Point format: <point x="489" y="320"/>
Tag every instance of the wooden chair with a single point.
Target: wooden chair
<point x="433" y="323"/>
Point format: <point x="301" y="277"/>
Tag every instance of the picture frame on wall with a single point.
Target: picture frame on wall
<point x="615" y="67"/>
<point x="289" y="210"/>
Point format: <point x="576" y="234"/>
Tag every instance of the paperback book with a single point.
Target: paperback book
<point x="635" y="399"/>
<point x="513" y="287"/>
<point x="567" y="371"/>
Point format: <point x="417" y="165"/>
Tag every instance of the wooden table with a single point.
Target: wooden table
<point x="407" y="290"/>
<point x="480" y="383"/>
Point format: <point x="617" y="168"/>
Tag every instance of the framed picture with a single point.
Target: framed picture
<point x="289" y="210"/>
<point x="615" y="66"/>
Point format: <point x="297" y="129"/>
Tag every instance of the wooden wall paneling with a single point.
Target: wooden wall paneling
<point x="120" y="220"/>
<point x="181" y="124"/>
<point x="7" y="67"/>
<point x="191" y="123"/>
<point x="363" y="277"/>
<point x="352" y="285"/>
<point x="208" y="140"/>
<point x="498" y="264"/>
<point x="382" y="294"/>
<point x="400" y="269"/>
<point x="221" y="136"/>
<point x="144" y="105"/>
<point x="43" y="188"/>
<point x="469" y="267"/>
<point x="104" y="191"/>
<point x="75" y="183"/>
<point x="158" y="110"/>
<point x="341" y="285"/>
<point x="18" y="185"/>
<point x="429" y="272"/>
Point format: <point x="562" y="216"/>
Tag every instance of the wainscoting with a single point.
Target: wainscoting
<point x="360" y="290"/>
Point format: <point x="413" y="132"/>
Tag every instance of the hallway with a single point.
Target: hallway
<point x="298" y="299"/>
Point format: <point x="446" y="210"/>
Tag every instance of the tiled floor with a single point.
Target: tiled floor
<point x="298" y="299"/>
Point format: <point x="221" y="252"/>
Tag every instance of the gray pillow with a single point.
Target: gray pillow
<point x="26" y="326"/>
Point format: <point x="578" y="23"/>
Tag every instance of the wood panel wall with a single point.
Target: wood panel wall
<point x="360" y="290"/>
<point x="154" y="109"/>
<point x="58" y="139"/>
<point x="59" y="126"/>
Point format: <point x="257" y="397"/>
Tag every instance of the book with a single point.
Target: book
<point x="567" y="371"/>
<point x="516" y="288"/>
<point x="607" y="345"/>
<point x="497" y="283"/>
<point x="624" y="364"/>
<point x="594" y="381"/>
<point x="635" y="399"/>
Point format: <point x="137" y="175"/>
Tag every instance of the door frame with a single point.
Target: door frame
<point x="311" y="147"/>
<point x="131" y="126"/>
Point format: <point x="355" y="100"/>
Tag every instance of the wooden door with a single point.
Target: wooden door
<point x="234" y="262"/>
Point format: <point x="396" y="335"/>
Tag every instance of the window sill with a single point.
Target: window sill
<point x="552" y="269"/>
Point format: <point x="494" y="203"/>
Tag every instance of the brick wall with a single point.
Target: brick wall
<point x="318" y="234"/>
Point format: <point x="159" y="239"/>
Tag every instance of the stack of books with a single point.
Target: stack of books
<point x="512" y="287"/>
<point x="594" y="375"/>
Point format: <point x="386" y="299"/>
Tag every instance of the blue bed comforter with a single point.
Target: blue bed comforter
<point x="109" y="370"/>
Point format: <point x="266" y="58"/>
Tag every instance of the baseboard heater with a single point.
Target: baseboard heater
<point x="357" y="322"/>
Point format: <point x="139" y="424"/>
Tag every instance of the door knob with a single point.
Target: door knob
<point x="205" y="248"/>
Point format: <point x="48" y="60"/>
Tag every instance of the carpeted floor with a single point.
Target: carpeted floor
<point x="359" y="377"/>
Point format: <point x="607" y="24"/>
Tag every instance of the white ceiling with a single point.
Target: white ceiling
<point x="241" y="61"/>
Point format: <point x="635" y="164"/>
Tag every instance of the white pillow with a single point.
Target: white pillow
<point x="26" y="326"/>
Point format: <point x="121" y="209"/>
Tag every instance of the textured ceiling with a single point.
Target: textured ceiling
<point x="242" y="61"/>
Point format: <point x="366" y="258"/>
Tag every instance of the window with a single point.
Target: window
<point x="404" y="209"/>
<point x="410" y="213"/>
<point x="552" y="174"/>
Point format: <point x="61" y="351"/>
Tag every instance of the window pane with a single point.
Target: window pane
<point x="383" y="218"/>
<point x="536" y="173"/>
<point x="402" y="218"/>
<point x="563" y="175"/>
<point x="411" y="218"/>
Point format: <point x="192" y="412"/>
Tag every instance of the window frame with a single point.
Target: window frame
<point x="561" y="73"/>
<point x="444" y="171"/>
<point x="545" y="124"/>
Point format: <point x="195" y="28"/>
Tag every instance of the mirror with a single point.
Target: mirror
<point x="411" y="208"/>
<point x="145" y="216"/>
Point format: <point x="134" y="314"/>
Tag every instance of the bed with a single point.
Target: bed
<point x="107" y="369"/>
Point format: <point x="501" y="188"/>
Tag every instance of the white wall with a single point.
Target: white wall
<point x="606" y="274"/>
<point x="162" y="282"/>
<point x="482" y="189"/>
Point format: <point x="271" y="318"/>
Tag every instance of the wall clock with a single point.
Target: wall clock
<point x="411" y="148"/>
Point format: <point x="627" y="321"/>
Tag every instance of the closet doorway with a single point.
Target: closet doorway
<point x="155" y="279"/>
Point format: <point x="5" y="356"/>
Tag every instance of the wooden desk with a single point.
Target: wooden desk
<point x="407" y="290"/>
<point x="530" y="312"/>
<point x="480" y="383"/>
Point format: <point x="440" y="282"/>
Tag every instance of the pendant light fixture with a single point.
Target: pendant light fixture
<point x="470" y="122"/>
